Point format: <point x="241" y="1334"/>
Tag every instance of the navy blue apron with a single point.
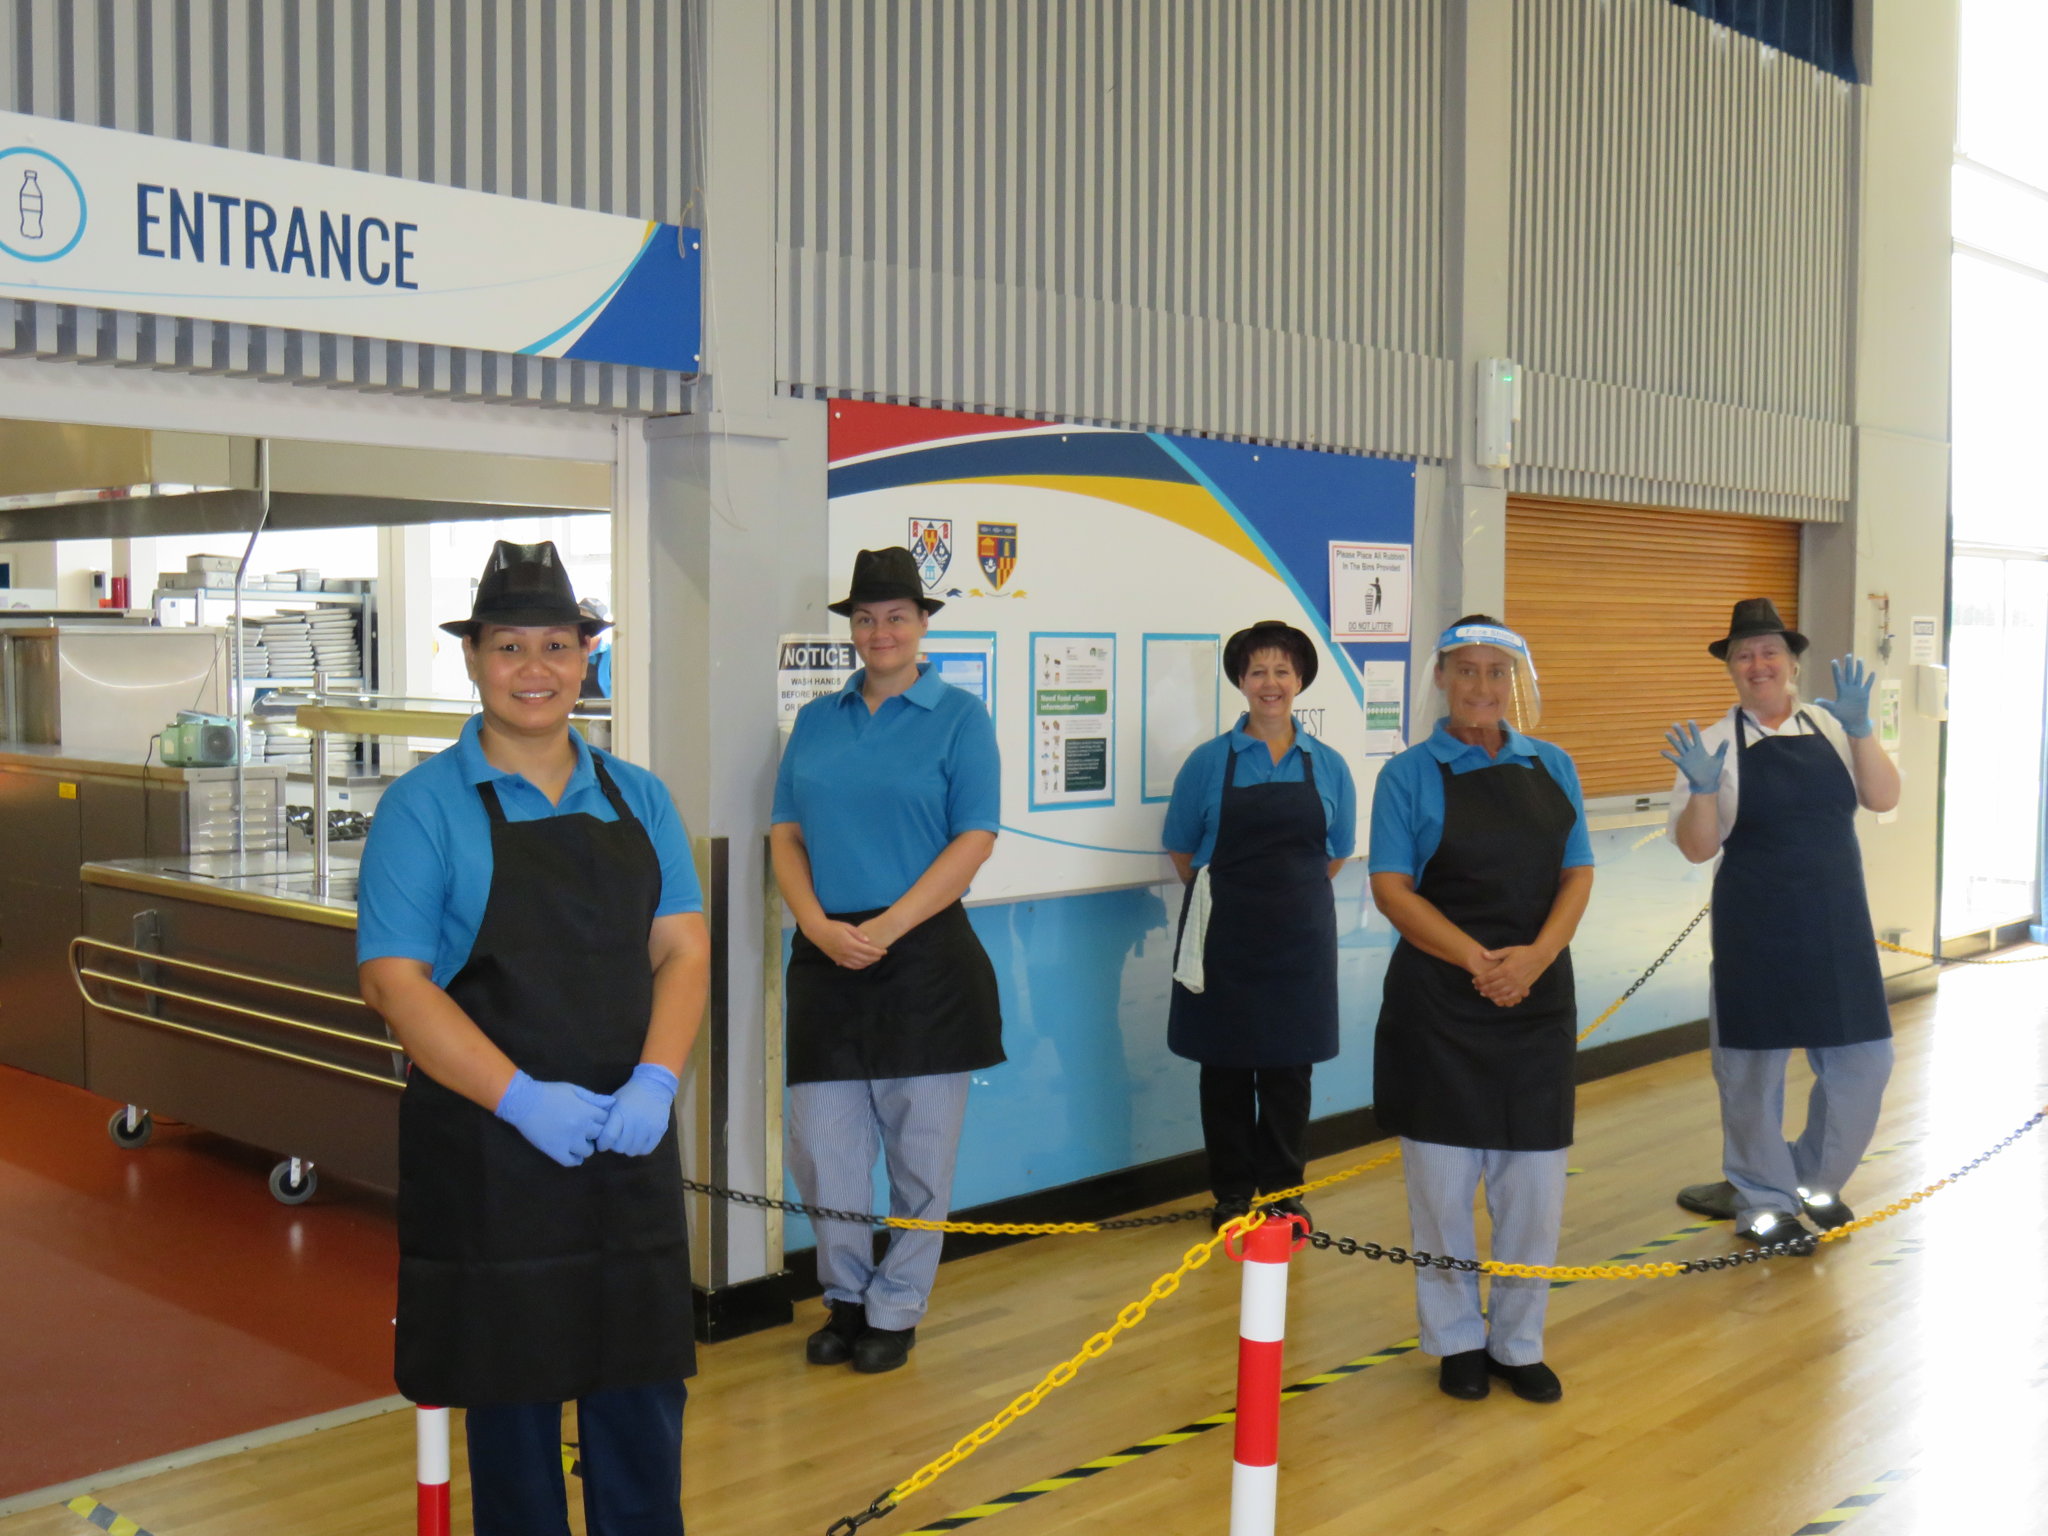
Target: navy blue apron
<point x="1794" y="963"/>
<point x="1269" y="970"/>
<point x="1449" y="1066"/>
<point x="519" y="1280"/>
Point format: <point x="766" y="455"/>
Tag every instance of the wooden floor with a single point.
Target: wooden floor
<point x="1912" y="1360"/>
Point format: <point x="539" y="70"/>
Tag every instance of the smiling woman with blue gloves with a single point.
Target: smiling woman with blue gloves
<point x="530" y="926"/>
<point x="1795" y="967"/>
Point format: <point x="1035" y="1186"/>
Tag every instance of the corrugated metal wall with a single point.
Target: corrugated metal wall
<point x="1681" y="264"/>
<point x="581" y="102"/>
<point x="1200" y="215"/>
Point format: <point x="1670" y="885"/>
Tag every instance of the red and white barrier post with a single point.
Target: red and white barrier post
<point x="430" y="1427"/>
<point x="1261" y="1332"/>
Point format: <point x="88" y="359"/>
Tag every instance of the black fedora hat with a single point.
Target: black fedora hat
<point x="1755" y="616"/>
<point x="525" y="586"/>
<point x="883" y="575"/>
<point x="1270" y="635"/>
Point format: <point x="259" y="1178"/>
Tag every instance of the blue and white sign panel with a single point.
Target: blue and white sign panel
<point x="132" y="221"/>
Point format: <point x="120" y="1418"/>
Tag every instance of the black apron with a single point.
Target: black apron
<point x="1449" y="1066"/>
<point x="929" y="1006"/>
<point x="521" y="1281"/>
<point x="1794" y="964"/>
<point x="1269" y="970"/>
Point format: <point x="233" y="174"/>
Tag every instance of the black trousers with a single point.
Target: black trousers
<point x="1255" y="1126"/>
<point x="630" y="1444"/>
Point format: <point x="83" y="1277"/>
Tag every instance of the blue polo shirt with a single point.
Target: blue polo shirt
<point x="1408" y="800"/>
<point x="878" y="796"/>
<point x="1197" y="804"/>
<point x="426" y="873"/>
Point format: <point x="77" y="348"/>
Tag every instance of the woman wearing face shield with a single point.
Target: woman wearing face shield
<point x="1794" y="966"/>
<point x="1261" y="820"/>
<point x="1481" y="861"/>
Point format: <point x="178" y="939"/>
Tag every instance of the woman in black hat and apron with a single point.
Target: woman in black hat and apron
<point x="1794" y="964"/>
<point x="887" y="801"/>
<point x="1481" y="861"/>
<point x="530" y="926"/>
<point x="1261" y="820"/>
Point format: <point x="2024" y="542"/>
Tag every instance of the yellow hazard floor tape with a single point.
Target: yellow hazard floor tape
<point x="1852" y="1506"/>
<point x="89" y="1508"/>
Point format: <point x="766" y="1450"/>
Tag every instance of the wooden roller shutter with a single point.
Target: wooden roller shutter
<point x="1618" y="604"/>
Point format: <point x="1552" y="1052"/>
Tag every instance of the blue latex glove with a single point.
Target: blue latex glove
<point x="1689" y="754"/>
<point x="640" y="1112"/>
<point x="1851" y="703"/>
<point x="560" y="1119"/>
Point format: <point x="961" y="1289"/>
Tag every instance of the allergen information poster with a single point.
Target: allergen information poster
<point x="1073" y="720"/>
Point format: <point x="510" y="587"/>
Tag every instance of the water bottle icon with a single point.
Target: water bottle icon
<point x="31" y="205"/>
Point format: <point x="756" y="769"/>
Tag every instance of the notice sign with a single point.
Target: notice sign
<point x="1073" y="721"/>
<point x="1369" y="586"/>
<point x="809" y="667"/>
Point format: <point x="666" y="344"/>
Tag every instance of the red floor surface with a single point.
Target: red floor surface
<point x="155" y="1300"/>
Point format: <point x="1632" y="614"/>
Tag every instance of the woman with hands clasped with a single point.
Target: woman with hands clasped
<point x="529" y="925"/>
<point x="1795" y="967"/>
<point x="1481" y="861"/>
<point x="887" y="802"/>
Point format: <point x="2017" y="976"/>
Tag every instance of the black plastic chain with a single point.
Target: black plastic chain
<point x="1669" y="950"/>
<point x="846" y="1525"/>
<point x="1423" y="1259"/>
<point x="870" y="1219"/>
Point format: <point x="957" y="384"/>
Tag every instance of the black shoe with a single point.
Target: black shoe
<point x="1825" y="1211"/>
<point x="1463" y="1375"/>
<point x="1712" y="1200"/>
<point x="1292" y="1206"/>
<point x="833" y="1343"/>
<point x="1227" y="1211"/>
<point x="882" y="1349"/>
<point x="1767" y="1229"/>
<point x="1536" y="1383"/>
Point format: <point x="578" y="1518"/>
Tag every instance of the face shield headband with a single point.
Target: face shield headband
<point x="1522" y="707"/>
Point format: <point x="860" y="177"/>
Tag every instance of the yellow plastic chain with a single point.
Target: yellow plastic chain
<point x="1900" y="949"/>
<point x="1097" y="1346"/>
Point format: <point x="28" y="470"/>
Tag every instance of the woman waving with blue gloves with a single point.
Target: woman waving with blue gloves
<point x="1772" y="788"/>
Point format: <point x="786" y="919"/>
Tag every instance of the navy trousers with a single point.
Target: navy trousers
<point x="630" y="1444"/>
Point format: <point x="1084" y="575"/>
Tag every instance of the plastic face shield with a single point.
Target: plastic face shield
<point x="1485" y="669"/>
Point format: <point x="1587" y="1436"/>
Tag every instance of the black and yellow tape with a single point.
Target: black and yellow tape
<point x="1143" y="1448"/>
<point x="86" y="1507"/>
<point x="1848" y="1509"/>
<point x="1189" y="1431"/>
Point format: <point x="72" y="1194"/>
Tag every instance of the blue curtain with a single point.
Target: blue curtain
<point x="1822" y="32"/>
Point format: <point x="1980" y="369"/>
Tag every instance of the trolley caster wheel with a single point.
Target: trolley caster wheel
<point x="131" y="1137"/>
<point x="287" y="1192"/>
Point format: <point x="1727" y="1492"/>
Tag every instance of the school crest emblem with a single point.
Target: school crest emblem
<point x="996" y="543"/>
<point x="931" y="543"/>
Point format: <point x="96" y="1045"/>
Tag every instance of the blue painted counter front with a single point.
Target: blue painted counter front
<point x="1090" y="1087"/>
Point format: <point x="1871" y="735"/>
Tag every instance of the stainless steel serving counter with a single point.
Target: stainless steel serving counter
<point x="221" y="992"/>
<point x="62" y="807"/>
<point x="279" y="884"/>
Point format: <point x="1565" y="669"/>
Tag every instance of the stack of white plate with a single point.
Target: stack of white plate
<point x="289" y="747"/>
<point x="288" y="641"/>
<point x="332" y="628"/>
<point x="255" y="660"/>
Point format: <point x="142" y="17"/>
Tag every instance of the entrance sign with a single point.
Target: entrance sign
<point x="133" y="221"/>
